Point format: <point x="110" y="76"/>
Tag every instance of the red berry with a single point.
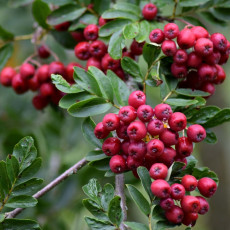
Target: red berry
<point x="19" y="85"/>
<point x="194" y="60"/>
<point x="206" y="72"/>
<point x="100" y="131"/>
<point x="213" y="59"/>
<point x="175" y="215"/>
<point x="207" y="186"/>
<point x="180" y="57"/>
<point x="171" y="30"/>
<point x="56" y="97"/>
<point x="155" y="127"/>
<point x="136" y="99"/>
<point x="177" y="191"/>
<point x="81" y="50"/>
<point x="122" y="132"/>
<point x="102" y="21"/>
<point x="177" y="121"/>
<point x="117" y="164"/>
<point x="34" y="83"/>
<point x="184" y="147"/>
<point x="163" y="111"/>
<point x="47" y="89"/>
<point x="157" y="36"/>
<point x="209" y="88"/>
<point x="203" y="47"/>
<point x="190" y="204"/>
<point x="91" y="32"/>
<point x="97" y="49"/>
<point x="111" y="146"/>
<point x="136" y="48"/>
<point x="190" y="219"/>
<point x="158" y="171"/>
<point x="120" y="73"/>
<point x="43" y="51"/>
<point x="168" y="156"/>
<point x="167" y="204"/>
<point x="133" y="163"/>
<point x="57" y="67"/>
<point x="111" y="121"/>
<point x="223" y="59"/>
<point x="204" y="205"/>
<point x="149" y="11"/>
<point x="178" y="71"/>
<point x="40" y="102"/>
<point x="189" y="182"/>
<point x="200" y="32"/>
<point x="219" y="42"/>
<point x="137" y="150"/>
<point x="27" y="71"/>
<point x="160" y="188"/>
<point x="155" y="147"/>
<point x="186" y="39"/>
<point x="169" y="48"/>
<point x="109" y="63"/>
<point x="137" y="130"/>
<point x="78" y="36"/>
<point x="43" y="73"/>
<point x="169" y="137"/>
<point x="145" y="113"/>
<point x="62" y="26"/>
<point x="7" y="75"/>
<point x="125" y="147"/>
<point x="221" y="75"/>
<point x="127" y="114"/>
<point x="196" y="133"/>
<point x="93" y="62"/>
<point x="70" y="71"/>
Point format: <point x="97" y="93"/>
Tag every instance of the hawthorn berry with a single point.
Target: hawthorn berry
<point x="27" y="71"/>
<point x="189" y="182"/>
<point x="177" y="191"/>
<point x="204" y="47"/>
<point x="177" y="121"/>
<point x="7" y="75"/>
<point x="186" y="39"/>
<point x="43" y="73"/>
<point x="125" y="147"/>
<point x="133" y="163"/>
<point x="194" y="60"/>
<point x="158" y="171"/>
<point x="221" y="75"/>
<point x="196" y="133"/>
<point x="145" y="113"/>
<point x="155" y="147"/>
<point x="199" y="32"/>
<point x="19" y="85"/>
<point x="190" y="219"/>
<point x="92" y="61"/>
<point x="111" y="146"/>
<point x="33" y="83"/>
<point x="160" y="188"/>
<point x="157" y="36"/>
<point x="100" y="131"/>
<point x="149" y="11"/>
<point x="122" y="132"/>
<point x="209" y="88"/>
<point x="175" y="215"/>
<point x="127" y="114"/>
<point x="91" y="32"/>
<point x="171" y="30"/>
<point x="219" y="42"/>
<point x="190" y="204"/>
<point x="137" y="149"/>
<point x="136" y="99"/>
<point x="78" y="36"/>
<point x="57" y="67"/>
<point x="97" y="49"/>
<point x="40" y="102"/>
<point x="111" y="121"/>
<point x="168" y="156"/>
<point x="204" y="205"/>
<point x="43" y="51"/>
<point x="137" y="130"/>
<point x="70" y="71"/>
<point x="180" y="57"/>
<point x="81" y="50"/>
<point x="47" y="89"/>
<point x="184" y="147"/>
<point x="108" y="62"/>
<point x="163" y="111"/>
<point x="179" y="71"/>
<point x="102" y="21"/>
<point x="117" y="164"/>
<point x="207" y="186"/>
<point x="136" y="48"/>
<point x="167" y="204"/>
<point x="62" y="26"/>
<point x="155" y="127"/>
<point x="169" y="48"/>
<point x="169" y="137"/>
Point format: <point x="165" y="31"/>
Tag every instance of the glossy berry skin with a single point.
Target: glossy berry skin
<point x="70" y="71"/>
<point x="7" y="75"/>
<point x="209" y="88"/>
<point x="196" y="133"/>
<point x="57" y="67"/>
<point x="160" y="188"/>
<point x="145" y="113"/>
<point x="137" y="130"/>
<point x="171" y="30"/>
<point x="207" y="186"/>
<point x="163" y="111"/>
<point x="206" y="72"/>
<point x="149" y="11"/>
<point x="136" y="99"/>
<point x="117" y="164"/>
<point x="177" y="121"/>
<point x="180" y="57"/>
<point x="203" y="47"/>
<point x="47" y="89"/>
<point x="155" y="147"/>
<point x="91" y="32"/>
<point x="200" y="32"/>
<point x="158" y="171"/>
<point x="168" y="156"/>
<point x="204" y="205"/>
<point x="100" y="131"/>
<point x="186" y="39"/>
<point x="189" y="182"/>
<point x="137" y="149"/>
<point x="178" y="71"/>
<point x="81" y="50"/>
<point x="169" y="48"/>
<point x="177" y="191"/>
<point x="92" y="61"/>
<point x="190" y="219"/>
<point x="184" y="147"/>
<point x="122" y="132"/>
<point x="190" y="204"/>
<point x="221" y="75"/>
<point x="62" y="26"/>
<point x="111" y="121"/>
<point x="102" y="21"/>
<point x="175" y="215"/>
<point x="136" y="48"/>
<point x="133" y="163"/>
<point x="27" y="71"/>
<point x="157" y="36"/>
<point x="97" y="49"/>
<point x="127" y="114"/>
<point x="111" y="146"/>
<point x="213" y="59"/>
<point x="223" y="59"/>
<point x="43" y="51"/>
<point x="169" y="137"/>
<point x="43" y="73"/>
<point x="155" y="127"/>
<point x="40" y="102"/>
<point x="219" y="42"/>
<point x="19" y="85"/>
<point x="194" y="60"/>
<point x="78" y="36"/>
<point x="33" y="83"/>
<point x="108" y="62"/>
<point x="167" y="204"/>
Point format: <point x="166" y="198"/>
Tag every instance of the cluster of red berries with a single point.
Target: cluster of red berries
<point x="197" y="55"/>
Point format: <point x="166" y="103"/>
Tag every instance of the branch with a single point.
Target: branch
<point x="73" y="170"/>
<point x="120" y="191"/>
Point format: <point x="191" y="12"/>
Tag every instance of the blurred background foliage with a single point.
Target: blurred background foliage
<point x="60" y="142"/>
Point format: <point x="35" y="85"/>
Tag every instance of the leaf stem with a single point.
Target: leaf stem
<point x="174" y="8"/>
<point x="167" y="96"/>
<point x="150" y="218"/>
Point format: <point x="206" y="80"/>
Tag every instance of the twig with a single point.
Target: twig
<point x="184" y="21"/>
<point x="73" y="170"/>
<point x="120" y="191"/>
<point x="167" y="96"/>
<point x="174" y="8"/>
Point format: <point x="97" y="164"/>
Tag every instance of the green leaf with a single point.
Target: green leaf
<point x="221" y="13"/>
<point x="95" y="155"/>
<point x="146" y="182"/>
<point x="132" y="68"/>
<point x="130" y="31"/>
<point x="210" y="137"/>
<point x="103" y="82"/>
<point x="191" y="163"/>
<point x="22" y="201"/>
<point x="205" y="172"/>
<point x="18" y="3"/>
<point x="12" y="167"/>
<point x="150" y="53"/>
<point x="96" y="224"/>
<point x="113" y="26"/>
<point x="102" y="165"/>
<point x="192" y="93"/>
<point x="225" y="4"/>
<point x="106" y="196"/>
<point x="113" y="13"/>
<point x="40" y="12"/>
<point x="174" y="169"/>
<point x="139" y="199"/>
<point x="180" y="102"/>
<point x="5" y="35"/>
<point x="65" y="13"/>
<point x="86" y="81"/>
<point x="109" y="173"/>
<point x="218" y="119"/>
<point x="17" y="224"/>
<point x="58" y="2"/>
<point x="211" y="19"/>
<point x="136" y="226"/>
<point x="120" y="89"/>
<point x="5" y="53"/>
<point x="88" y="132"/>
<point x="115" y="212"/>
<point x="144" y="30"/>
<point x="5" y="183"/>
<point x="101" y="5"/>
<point x="187" y="3"/>
<point x="27" y="187"/>
<point x="128" y="7"/>
<point x="2" y="217"/>
<point x="158" y="213"/>
<point x="164" y="88"/>
<point x="164" y="224"/>
<point x="89" y="107"/>
<point x="194" y="21"/>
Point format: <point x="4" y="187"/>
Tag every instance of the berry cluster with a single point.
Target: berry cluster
<point x="197" y="55"/>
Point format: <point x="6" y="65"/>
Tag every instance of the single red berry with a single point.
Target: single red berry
<point x="81" y="50"/>
<point x="127" y="114"/>
<point x="186" y="39"/>
<point x="136" y="99"/>
<point x="108" y="62"/>
<point x="122" y="132"/>
<point x="149" y="11"/>
<point x="137" y="149"/>
<point x="209" y="88"/>
<point x="7" y="75"/>
<point x="206" y="72"/>
<point x="78" y="36"/>
<point x="19" y="85"/>
<point x="117" y="164"/>
<point x="120" y="73"/>
<point x="56" y="97"/>
<point x="93" y="62"/>
<point x="184" y="147"/>
<point x="111" y="121"/>
<point x="169" y="137"/>
<point x="155" y="147"/>
<point x="43" y="73"/>
<point x="91" y="32"/>
<point x="204" y="47"/>
<point x="167" y="204"/>
<point x="100" y="131"/>
<point x="97" y="49"/>
<point x="179" y="71"/>
<point x="40" y="102"/>
<point x="190" y="219"/>
<point x="223" y="59"/>
<point x="196" y="133"/>
<point x="33" y="83"/>
<point x="137" y="130"/>
<point x="57" y="67"/>
<point x="155" y="127"/>
<point x="219" y="42"/>
<point x="189" y="182"/>
<point x="102" y="21"/>
<point x="207" y="186"/>
<point x="171" y="30"/>
<point x="190" y="204"/>
<point x="145" y="113"/>
<point x="194" y="60"/>
<point x="111" y="146"/>
<point x="168" y="156"/>
<point x="160" y="188"/>
<point x="158" y="171"/>
<point x="204" y="205"/>
<point x="27" y="71"/>
<point x="213" y="59"/>
<point x="47" y="89"/>
<point x="70" y="71"/>
<point x="175" y="215"/>
<point x="200" y="32"/>
<point x="43" y="51"/>
<point x="169" y="48"/>
<point x="177" y="191"/>
<point x="62" y="26"/>
<point x="177" y="121"/>
<point x="132" y="163"/>
<point x="136" y="48"/>
<point x="157" y="36"/>
<point x="125" y="147"/>
<point x="163" y="111"/>
<point x="221" y="75"/>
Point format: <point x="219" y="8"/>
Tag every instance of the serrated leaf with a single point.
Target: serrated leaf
<point x="95" y="155"/>
<point x="124" y="6"/>
<point x="96" y="224"/>
<point x="192" y="93"/>
<point x="210" y="137"/>
<point x="113" y="13"/>
<point x="102" y="165"/>
<point x="5" y="183"/>
<point x="130" y="31"/>
<point x="180" y="102"/>
<point x="22" y="201"/>
<point x="5" y="35"/>
<point x="150" y="53"/>
<point x="115" y="212"/>
<point x="158" y="213"/>
<point x="139" y="199"/>
<point x="188" y="3"/>
<point x="115" y="45"/>
<point x="5" y="53"/>
<point x="18" y="224"/>
<point x="58" y="2"/>
<point x="106" y="196"/>
<point x="144" y="30"/>
<point x="136" y="226"/>
<point x="101" y="5"/>
<point x="12" y="167"/>
<point x="92" y="190"/>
